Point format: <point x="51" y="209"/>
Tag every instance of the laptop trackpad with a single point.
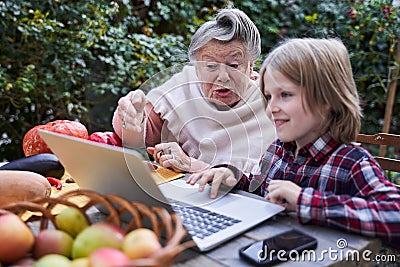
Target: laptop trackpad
<point x="180" y="191"/>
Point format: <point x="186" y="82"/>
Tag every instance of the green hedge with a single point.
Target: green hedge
<point x="73" y="59"/>
<point x="67" y="59"/>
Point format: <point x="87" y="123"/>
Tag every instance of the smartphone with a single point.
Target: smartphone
<point x="278" y="248"/>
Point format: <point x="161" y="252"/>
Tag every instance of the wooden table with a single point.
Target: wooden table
<point x="227" y="254"/>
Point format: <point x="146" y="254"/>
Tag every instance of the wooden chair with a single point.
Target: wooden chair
<point x="383" y="139"/>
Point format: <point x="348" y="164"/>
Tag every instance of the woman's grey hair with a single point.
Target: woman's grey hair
<point x="229" y="24"/>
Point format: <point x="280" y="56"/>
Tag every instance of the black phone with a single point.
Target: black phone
<point x="278" y="248"/>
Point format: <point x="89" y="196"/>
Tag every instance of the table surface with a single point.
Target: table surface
<point x="227" y="254"/>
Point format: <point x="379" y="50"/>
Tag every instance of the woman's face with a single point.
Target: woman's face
<point x="224" y="70"/>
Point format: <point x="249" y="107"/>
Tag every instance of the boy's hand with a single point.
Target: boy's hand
<point x="216" y="176"/>
<point x="284" y="193"/>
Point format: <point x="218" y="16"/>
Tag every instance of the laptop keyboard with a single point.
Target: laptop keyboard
<point x="200" y="222"/>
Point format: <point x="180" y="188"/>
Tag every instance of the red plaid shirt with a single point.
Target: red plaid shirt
<point x="343" y="187"/>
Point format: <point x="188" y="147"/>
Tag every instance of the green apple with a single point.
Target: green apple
<point x="71" y="220"/>
<point x="52" y="241"/>
<point x="16" y="238"/>
<point x="80" y="262"/>
<point x="140" y="243"/>
<point x="52" y="260"/>
<point x="98" y="235"/>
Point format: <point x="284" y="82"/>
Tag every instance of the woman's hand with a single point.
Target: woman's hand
<point x="131" y="110"/>
<point x="171" y="155"/>
<point x="216" y="176"/>
<point x="284" y="193"/>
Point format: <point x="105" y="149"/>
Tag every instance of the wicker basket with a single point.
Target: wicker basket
<point x="167" y="226"/>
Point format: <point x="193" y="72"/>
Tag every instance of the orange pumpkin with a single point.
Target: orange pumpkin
<point x="33" y="144"/>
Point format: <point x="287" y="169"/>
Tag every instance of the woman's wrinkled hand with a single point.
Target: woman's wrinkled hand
<point x="171" y="155"/>
<point x="216" y="176"/>
<point x="284" y="193"/>
<point x="131" y="110"/>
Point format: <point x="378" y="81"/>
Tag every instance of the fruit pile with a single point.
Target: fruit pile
<point x="68" y="237"/>
<point x="73" y="243"/>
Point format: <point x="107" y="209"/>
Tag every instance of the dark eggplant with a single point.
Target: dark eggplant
<point x="46" y="164"/>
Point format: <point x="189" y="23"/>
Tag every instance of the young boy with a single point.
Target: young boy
<point x="314" y="168"/>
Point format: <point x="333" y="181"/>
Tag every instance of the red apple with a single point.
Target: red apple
<point x="52" y="241"/>
<point x="24" y="262"/>
<point x="16" y="238"/>
<point x="108" y="257"/>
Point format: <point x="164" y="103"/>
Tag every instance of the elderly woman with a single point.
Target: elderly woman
<point x="210" y="113"/>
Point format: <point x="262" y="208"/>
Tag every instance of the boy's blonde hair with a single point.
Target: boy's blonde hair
<point x="322" y="68"/>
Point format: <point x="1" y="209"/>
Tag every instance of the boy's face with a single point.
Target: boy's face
<point x="224" y="70"/>
<point x="293" y="122"/>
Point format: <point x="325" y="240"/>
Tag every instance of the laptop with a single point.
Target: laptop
<point x="121" y="171"/>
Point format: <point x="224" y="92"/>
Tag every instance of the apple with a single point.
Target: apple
<point x="16" y="238"/>
<point x="52" y="241"/>
<point x="80" y="262"/>
<point x="52" y="260"/>
<point x="108" y="257"/>
<point x="24" y="262"/>
<point x="140" y="243"/>
<point x="98" y="235"/>
<point x="71" y="220"/>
